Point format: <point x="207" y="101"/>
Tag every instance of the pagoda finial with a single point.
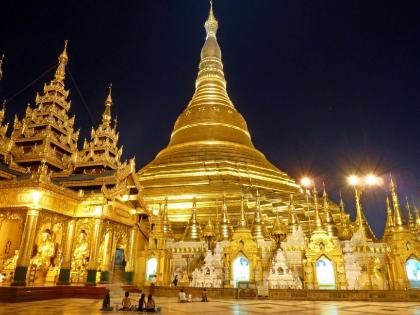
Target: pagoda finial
<point x="293" y="222"/>
<point x="166" y="224"/>
<point x="211" y="24"/>
<point x="417" y="217"/>
<point x="225" y="228"/>
<point x="329" y="220"/>
<point x="60" y="73"/>
<point x="193" y="230"/>
<point x="106" y="116"/>
<point x="243" y="223"/>
<point x="399" y="220"/>
<point x="389" y="226"/>
<point x="1" y="66"/>
<point x="411" y="223"/>
<point x="258" y="226"/>
<point x="318" y="222"/>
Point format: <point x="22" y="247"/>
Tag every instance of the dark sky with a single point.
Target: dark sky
<point x="327" y="87"/>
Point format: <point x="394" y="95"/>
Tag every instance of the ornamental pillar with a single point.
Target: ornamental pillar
<point x="106" y="258"/>
<point x="65" y="268"/>
<point x="92" y="267"/>
<point x="26" y="246"/>
<point x="129" y="268"/>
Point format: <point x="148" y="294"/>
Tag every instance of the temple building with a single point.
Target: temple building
<point x="210" y="210"/>
<point x="66" y="215"/>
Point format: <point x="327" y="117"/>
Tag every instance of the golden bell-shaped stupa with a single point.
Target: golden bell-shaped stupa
<point x="210" y="151"/>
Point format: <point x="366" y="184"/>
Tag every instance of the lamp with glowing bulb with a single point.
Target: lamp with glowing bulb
<point x="36" y="196"/>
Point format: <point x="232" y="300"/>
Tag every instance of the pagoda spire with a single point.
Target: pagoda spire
<point x="106" y="116"/>
<point x="211" y="25"/>
<point x="101" y="152"/>
<point x="166" y="224"/>
<point x="399" y="220"/>
<point x="345" y="231"/>
<point x="318" y="222"/>
<point x="361" y="221"/>
<point x="211" y="98"/>
<point x="293" y="222"/>
<point x="411" y="222"/>
<point x="60" y="73"/>
<point x="329" y="223"/>
<point x="258" y="227"/>
<point x="1" y="66"/>
<point x="225" y="228"/>
<point x="193" y="229"/>
<point x="389" y="226"/>
<point x="46" y="135"/>
<point x="243" y="222"/>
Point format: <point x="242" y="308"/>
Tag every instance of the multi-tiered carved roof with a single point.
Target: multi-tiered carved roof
<point x="45" y="135"/>
<point x="101" y="153"/>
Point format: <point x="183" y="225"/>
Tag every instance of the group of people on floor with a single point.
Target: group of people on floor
<point x="143" y="306"/>
<point x="183" y="298"/>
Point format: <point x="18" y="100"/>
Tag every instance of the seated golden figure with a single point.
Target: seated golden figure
<point x="45" y="251"/>
<point x="10" y="263"/>
<point x="81" y="253"/>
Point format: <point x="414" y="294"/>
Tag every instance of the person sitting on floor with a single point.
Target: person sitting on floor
<point x="106" y="303"/>
<point x="150" y="306"/>
<point x="204" y="295"/>
<point x="126" y="302"/>
<point x="142" y="303"/>
<point x="182" y="296"/>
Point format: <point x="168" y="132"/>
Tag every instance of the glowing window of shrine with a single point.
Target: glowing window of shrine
<point x="325" y="273"/>
<point x="151" y="268"/>
<point x="412" y="268"/>
<point x="240" y="270"/>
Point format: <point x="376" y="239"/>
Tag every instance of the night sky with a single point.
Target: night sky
<point x="327" y="87"/>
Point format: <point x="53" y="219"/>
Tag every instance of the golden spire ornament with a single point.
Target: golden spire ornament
<point x="389" y="226"/>
<point x="243" y="222"/>
<point x="258" y="226"/>
<point x="60" y="73"/>
<point x="330" y="225"/>
<point x="345" y="231"/>
<point x="318" y="222"/>
<point x="411" y="223"/>
<point x="211" y="25"/>
<point x="399" y="221"/>
<point x="225" y="228"/>
<point x="106" y="116"/>
<point x="293" y="222"/>
<point x="193" y="230"/>
<point x="166" y="224"/>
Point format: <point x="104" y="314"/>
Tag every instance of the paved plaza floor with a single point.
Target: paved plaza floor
<point x="217" y="306"/>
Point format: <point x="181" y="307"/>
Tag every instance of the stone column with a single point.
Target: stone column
<point x="95" y="238"/>
<point x="64" y="276"/>
<point x="26" y="246"/>
<point x="129" y="268"/>
<point x="106" y="258"/>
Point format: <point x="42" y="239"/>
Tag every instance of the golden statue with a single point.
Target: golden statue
<point x="10" y="263"/>
<point x="45" y="252"/>
<point x="81" y="253"/>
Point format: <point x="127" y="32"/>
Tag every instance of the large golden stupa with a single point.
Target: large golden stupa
<point x="211" y="156"/>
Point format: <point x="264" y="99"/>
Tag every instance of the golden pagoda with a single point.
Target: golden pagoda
<point x="210" y="153"/>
